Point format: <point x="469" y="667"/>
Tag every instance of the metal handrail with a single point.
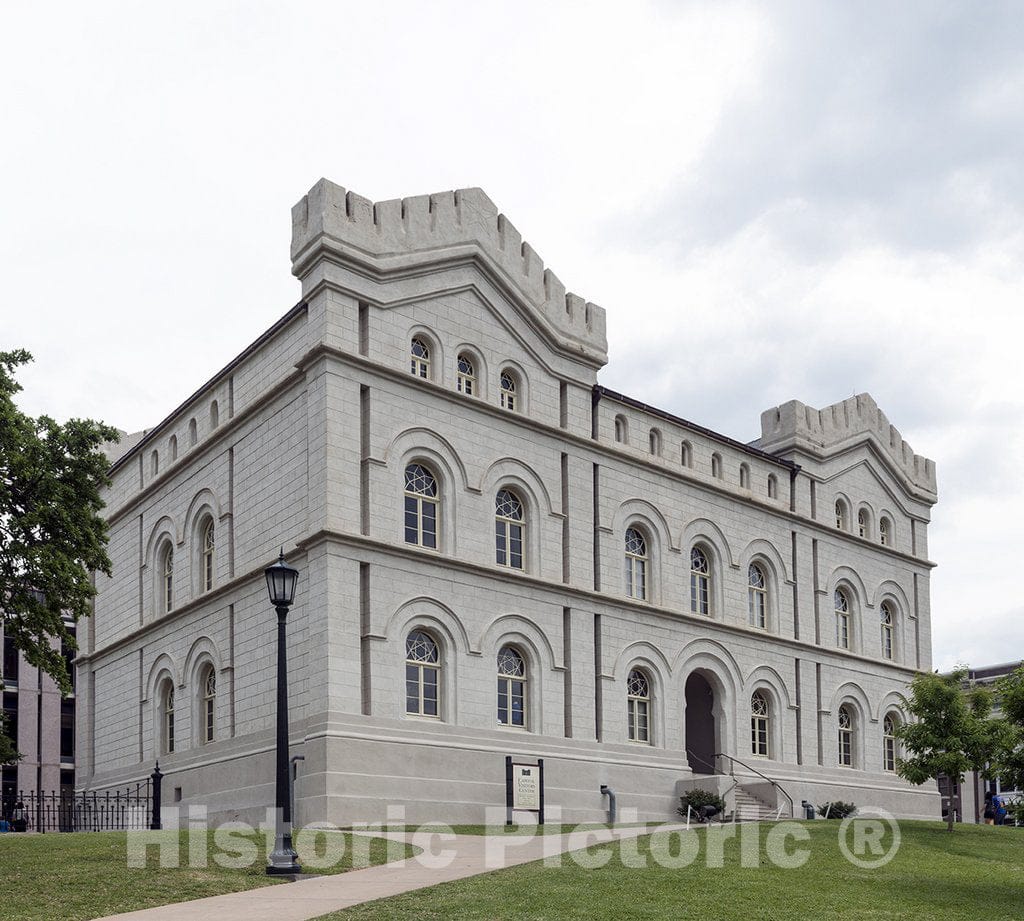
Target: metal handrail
<point x="774" y="783"/>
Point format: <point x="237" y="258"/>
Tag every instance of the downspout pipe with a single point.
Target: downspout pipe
<point x="610" y="793"/>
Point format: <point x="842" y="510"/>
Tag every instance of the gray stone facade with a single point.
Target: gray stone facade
<point x="304" y="439"/>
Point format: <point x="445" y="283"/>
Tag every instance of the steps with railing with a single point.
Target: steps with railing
<point x="747" y="806"/>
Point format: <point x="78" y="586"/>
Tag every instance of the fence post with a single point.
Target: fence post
<point x="156" y="777"/>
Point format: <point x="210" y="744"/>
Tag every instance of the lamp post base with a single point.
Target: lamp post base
<point x="283" y="859"/>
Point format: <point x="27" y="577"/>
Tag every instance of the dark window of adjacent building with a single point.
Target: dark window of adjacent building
<point x="69" y="658"/>
<point x="11" y="712"/>
<point x="10" y="661"/>
<point x="67" y="731"/>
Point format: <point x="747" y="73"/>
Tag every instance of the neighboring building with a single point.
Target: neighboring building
<point x="42" y="724"/>
<point x="498" y="556"/>
<point x="968" y="799"/>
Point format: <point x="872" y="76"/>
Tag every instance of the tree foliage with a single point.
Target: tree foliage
<point x="52" y="537"/>
<point x="1009" y="760"/>
<point x="951" y="732"/>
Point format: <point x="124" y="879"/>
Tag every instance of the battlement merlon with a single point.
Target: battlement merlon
<point x="404" y="234"/>
<point x="824" y="432"/>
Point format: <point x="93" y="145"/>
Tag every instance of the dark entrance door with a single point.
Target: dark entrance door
<point x="700" y="724"/>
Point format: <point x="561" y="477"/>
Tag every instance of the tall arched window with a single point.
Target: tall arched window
<point x="167" y="708"/>
<point x="686" y="454"/>
<point x="773" y="486"/>
<point x="167" y="579"/>
<point x="509" y="524"/>
<point x="760" y="727"/>
<point x="888" y="623"/>
<point x="511" y="688"/>
<point x="509" y="387"/>
<point x="420" y="507"/>
<point x="845" y="737"/>
<point x="636" y="564"/>
<point x="621" y="430"/>
<point x="154" y="463"/>
<point x="209" y="708"/>
<point x="654" y="442"/>
<point x="638" y="707"/>
<point x="842" y="516"/>
<point x="716" y="466"/>
<point x="885" y="532"/>
<point x="208" y="556"/>
<point x="214" y="414"/>
<point x="700" y="582"/>
<point x="842" y="603"/>
<point x="757" y="596"/>
<point x="172" y="447"/>
<point x="744" y="476"/>
<point x="422" y="674"/>
<point x="862" y="523"/>
<point x="193" y="432"/>
<point x="466" y="378"/>
<point x="889" y="749"/>
<point x="419" y="358"/>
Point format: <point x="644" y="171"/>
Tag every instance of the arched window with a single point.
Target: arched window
<point x="885" y="532"/>
<point x="420" y="507"/>
<point x="842" y="603"/>
<point x="621" y="430"/>
<point x="511" y="688"/>
<point x="760" y="717"/>
<point x="508" y="391"/>
<point x="716" y="466"/>
<point x="757" y="596"/>
<point x="773" y="486"/>
<point x="208" y="556"/>
<point x="419" y="358"/>
<point x="214" y="415"/>
<point x="508" y="529"/>
<point x="172" y="447"/>
<point x="686" y="454"/>
<point x="636" y="564"/>
<point x="842" y="517"/>
<point x="845" y="737"/>
<point x="700" y="582"/>
<point x="654" y="442"/>
<point x="638" y="707"/>
<point x="167" y="579"/>
<point x="466" y="378"/>
<point x="193" y="434"/>
<point x="167" y="708"/>
<point x="422" y="674"/>
<point x="863" y="526"/>
<point x="744" y="476"/>
<point x="154" y="463"/>
<point x="889" y="745"/>
<point x="209" y="708"/>
<point x="888" y="624"/>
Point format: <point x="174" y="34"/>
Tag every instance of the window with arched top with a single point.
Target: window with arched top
<point x="509" y="391"/>
<point x="154" y="463"/>
<point x="638" y="707"/>
<point x="422" y="675"/>
<point x="419" y="358"/>
<point x="193" y="433"/>
<point x="209" y="704"/>
<point x="757" y="596"/>
<point x="167" y="579"/>
<point x="744" y="476"/>
<point x="421" y="499"/>
<point x="842" y="516"/>
<point x="509" y="528"/>
<point x="700" y="582"/>
<point x="846" y="726"/>
<point x="716" y="466"/>
<point x="760" y="725"/>
<point x="890" y="749"/>
<point x="654" y="442"/>
<point x="511" y="688"/>
<point x="167" y="718"/>
<point x="172" y="447"/>
<point x="885" y="532"/>
<point x="888" y="626"/>
<point x="214" y="414"/>
<point x="636" y="564"/>
<point x="842" y="607"/>
<point x="773" y="486"/>
<point x="465" y="380"/>
<point x="621" y="430"/>
<point x="208" y="557"/>
<point x="686" y="454"/>
<point x="863" y="523"/>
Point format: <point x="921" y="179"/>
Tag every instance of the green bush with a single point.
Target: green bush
<point x="696" y="798"/>
<point x="836" y="810"/>
<point x="1015" y="812"/>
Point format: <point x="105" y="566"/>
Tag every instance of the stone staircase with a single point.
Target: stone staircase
<point x="748" y="808"/>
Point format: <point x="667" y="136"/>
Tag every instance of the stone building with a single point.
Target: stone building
<point x="498" y="557"/>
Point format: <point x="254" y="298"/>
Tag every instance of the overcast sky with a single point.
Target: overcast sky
<point x="772" y="201"/>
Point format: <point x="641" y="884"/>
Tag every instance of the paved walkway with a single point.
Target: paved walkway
<point x="312" y="898"/>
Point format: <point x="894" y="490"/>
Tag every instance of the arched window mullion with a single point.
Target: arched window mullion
<point x="421" y="507"/>
<point x="760" y="725"/>
<point x="512" y="698"/>
<point x="700" y="582"/>
<point x="636" y="564"/>
<point x="509" y="530"/>
<point x="422" y="675"/>
<point x="638" y="707"/>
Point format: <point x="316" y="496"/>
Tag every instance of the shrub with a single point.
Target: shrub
<point x="696" y="798"/>
<point x="836" y="810"/>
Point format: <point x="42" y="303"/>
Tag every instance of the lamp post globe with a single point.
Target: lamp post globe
<point x="281" y="582"/>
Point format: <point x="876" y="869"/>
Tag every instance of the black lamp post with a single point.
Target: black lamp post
<point x="281" y="579"/>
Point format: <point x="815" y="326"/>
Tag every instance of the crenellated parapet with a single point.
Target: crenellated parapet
<point x="403" y="234"/>
<point x="825" y="432"/>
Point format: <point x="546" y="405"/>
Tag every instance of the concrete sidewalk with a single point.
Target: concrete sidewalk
<point x="312" y="898"/>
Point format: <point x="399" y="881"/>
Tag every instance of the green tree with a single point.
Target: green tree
<point x="1008" y="763"/>
<point x="52" y="537"/>
<point x="951" y="732"/>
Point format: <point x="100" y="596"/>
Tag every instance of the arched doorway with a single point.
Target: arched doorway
<point x="700" y="724"/>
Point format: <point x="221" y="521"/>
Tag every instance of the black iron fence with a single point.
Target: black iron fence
<point x="134" y="807"/>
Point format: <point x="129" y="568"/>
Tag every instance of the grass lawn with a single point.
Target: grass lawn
<point x="504" y="829"/>
<point x="975" y="873"/>
<point x="73" y="877"/>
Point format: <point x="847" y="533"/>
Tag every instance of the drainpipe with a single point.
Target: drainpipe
<point x="610" y="793"/>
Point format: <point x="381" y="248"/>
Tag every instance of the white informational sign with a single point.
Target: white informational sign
<point x="526" y="786"/>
